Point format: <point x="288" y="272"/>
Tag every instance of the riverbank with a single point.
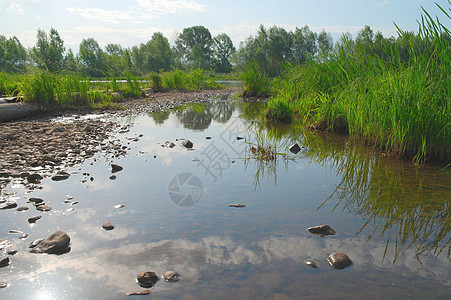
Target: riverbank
<point x="38" y="145"/>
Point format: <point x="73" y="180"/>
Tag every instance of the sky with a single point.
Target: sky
<point x="133" y="22"/>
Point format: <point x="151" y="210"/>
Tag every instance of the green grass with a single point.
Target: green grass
<point x="8" y="84"/>
<point x="182" y="81"/>
<point x="402" y="105"/>
<point x="256" y="84"/>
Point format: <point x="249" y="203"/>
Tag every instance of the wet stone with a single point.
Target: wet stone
<point x="339" y="260"/>
<point x="36" y="201"/>
<point x="34" y="219"/>
<point x="108" y="226"/>
<point x="4" y="261"/>
<point x="44" y="208"/>
<point x="3" y="285"/>
<point x="8" y="205"/>
<point x="311" y="263"/>
<point x="57" y="243"/>
<point x="322" y="230"/>
<point x="22" y="208"/>
<point x="61" y="175"/>
<point x="295" y="148"/>
<point x="116" y="168"/>
<point x="34" y="178"/>
<point x="147" y="279"/>
<point x="187" y="144"/>
<point x="112" y="177"/>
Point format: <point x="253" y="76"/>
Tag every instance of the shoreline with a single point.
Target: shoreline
<point x="37" y="146"/>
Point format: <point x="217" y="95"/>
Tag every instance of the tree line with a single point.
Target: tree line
<point x="193" y="48"/>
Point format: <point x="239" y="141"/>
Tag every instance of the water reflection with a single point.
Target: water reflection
<point x="197" y="116"/>
<point x="406" y="205"/>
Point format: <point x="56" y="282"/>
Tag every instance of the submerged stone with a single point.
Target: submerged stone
<point x="171" y="276"/>
<point x="322" y="230"/>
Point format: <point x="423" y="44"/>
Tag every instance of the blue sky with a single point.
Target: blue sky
<point x="133" y="22"/>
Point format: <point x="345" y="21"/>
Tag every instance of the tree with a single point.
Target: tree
<point x="113" y="53"/>
<point x="70" y="62"/>
<point x="13" y="56"/>
<point x="92" y="57"/>
<point x="191" y="55"/>
<point x="325" y="43"/>
<point x="223" y="49"/>
<point x="49" y="50"/>
<point x="159" y="57"/>
<point x="304" y="44"/>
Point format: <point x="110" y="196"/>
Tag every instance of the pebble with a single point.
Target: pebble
<point x="119" y="206"/>
<point x="171" y="276"/>
<point x="311" y="263"/>
<point x="34" y="219"/>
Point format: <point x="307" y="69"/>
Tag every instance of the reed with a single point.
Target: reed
<point x="398" y="102"/>
<point x="256" y="84"/>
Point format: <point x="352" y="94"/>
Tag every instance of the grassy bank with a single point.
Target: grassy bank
<point x="399" y="102"/>
<point x="63" y="91"/>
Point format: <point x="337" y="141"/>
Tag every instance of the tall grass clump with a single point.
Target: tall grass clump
<point x="255" y="82"/>
<point x="8" y="83"/>
<point x="132" y="88"/>
<point x="398" y="100"/>
<point x="49" y="90"/>
<point x="182" y="81"/>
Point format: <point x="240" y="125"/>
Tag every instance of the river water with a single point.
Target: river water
<point x="391" y="217"/>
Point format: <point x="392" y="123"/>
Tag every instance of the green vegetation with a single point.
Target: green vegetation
<point x="393" y="94"/>
<point x="255" y="82"/>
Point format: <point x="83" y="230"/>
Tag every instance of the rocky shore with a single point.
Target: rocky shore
<point x="40" y="146"/>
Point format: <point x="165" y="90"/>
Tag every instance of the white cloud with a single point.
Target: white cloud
<point x="170" y="6"/>
<point x="15" y="8"/>
<point x="109" y="16"/>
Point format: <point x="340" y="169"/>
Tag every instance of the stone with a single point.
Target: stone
<point x="34" y="219"/>
<point x="295" y="148"/>
<point x="61" y="175"/>
<point x="339" y="260"/>
<point x="236" y="205"/>
<point x="8" y="205"/>
<point x="169" y="144"/>
<point x="147" y="279"/>
<point x="108" y="226"/>
<point x="171" y="276"/>
<point x="36" y="201"/>
<point x="57" y="243"/>
<point x="322" y="230"/>
<point x="34" y="178"/>
<point x="112" y="177"/>
<point x="311" y="263"/>
<point x="187" y="144"/>
<point x="4" y="261"/>
<point x="22" y="208"/>
<point x="116" y="168"/>
<point x="3" y="285"/>
<point x="44" y="207"/>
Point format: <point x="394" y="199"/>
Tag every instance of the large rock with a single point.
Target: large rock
<point x="339" y="260"/>
<point x="57" y="243"/>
